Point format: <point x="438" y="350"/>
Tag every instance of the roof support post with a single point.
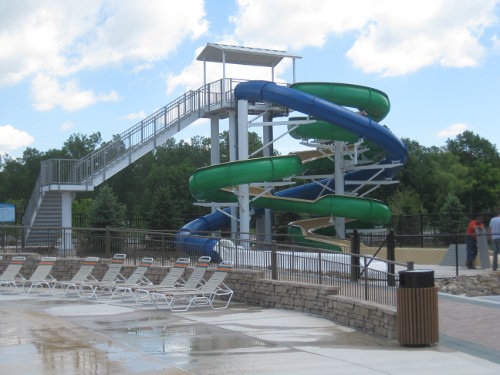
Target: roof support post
<point x="66" y="222"/>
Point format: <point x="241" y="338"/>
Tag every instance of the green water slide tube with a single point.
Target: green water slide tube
<point x="206" y="184"/>
<point x="373" y="102"/>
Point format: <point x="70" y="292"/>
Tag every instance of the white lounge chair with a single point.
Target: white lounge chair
<point x="143" y="294"/>
<point x="137" y="278"/>
<point x="41" y="278"/>
<point x="213" y="291"/>
<point x="84" y="274"/>
<point x="172" y="279"/>
<point x="112" y="275"/>
<point x="12" y="273"/>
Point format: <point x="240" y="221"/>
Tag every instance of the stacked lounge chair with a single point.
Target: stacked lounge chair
<point x="12" y="273"/>
<point x="172" y="279"/>
<point x="41" y="279"/>
<point x="83" y="275"/>
<point x="112" y="275"/>
<point x="212" y="292"/>
<point x="101" y="289"/>
<point x="196" y="279"/>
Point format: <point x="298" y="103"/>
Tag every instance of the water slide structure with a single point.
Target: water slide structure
<point x="325" y="103"/>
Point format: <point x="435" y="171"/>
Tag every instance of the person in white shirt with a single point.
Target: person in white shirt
<point x="494" y="229"/>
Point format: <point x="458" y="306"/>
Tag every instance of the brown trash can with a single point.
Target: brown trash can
<point x="417" y="308"/>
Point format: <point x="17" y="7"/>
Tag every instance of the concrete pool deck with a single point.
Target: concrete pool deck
<point x="60" y="335"/>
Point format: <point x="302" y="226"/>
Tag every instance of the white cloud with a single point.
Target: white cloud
<point x="66" y="126"/>
<point x="63" y="37"/>
<point x="39" y="36"/>
<point x="495" y="40"/>
<point x="297" y="23"/>
<point x="392" y="37"/>
<point x="452" y="130"/>
<point x="405" y="37"/>
<point x="141" y="31"/>
<point x="49" y="93"/>
<point x="136" y="116"/>
<point x="12" y="139"/>
<point x="51" y="39"/>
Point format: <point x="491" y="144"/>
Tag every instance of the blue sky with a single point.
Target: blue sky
<point x="71" y="67"/>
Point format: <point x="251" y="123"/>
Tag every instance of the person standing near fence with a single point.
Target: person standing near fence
<point x="494" y="229"/>
<point x="471" y="241"/>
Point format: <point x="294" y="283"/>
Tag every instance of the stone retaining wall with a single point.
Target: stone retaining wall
<point x="252" y="288"/>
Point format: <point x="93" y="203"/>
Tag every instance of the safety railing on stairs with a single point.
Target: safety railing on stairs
<point x="59" y="174"/>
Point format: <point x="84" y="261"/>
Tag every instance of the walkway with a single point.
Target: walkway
<point x="57" y="335"/>
<point x="471" y="325"/>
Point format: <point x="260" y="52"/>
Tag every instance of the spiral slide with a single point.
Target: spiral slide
<point x="335" y="123"/>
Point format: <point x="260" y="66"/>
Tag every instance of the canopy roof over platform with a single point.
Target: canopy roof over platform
<point x="222" y="53"/>
<point x="225" y="54"/>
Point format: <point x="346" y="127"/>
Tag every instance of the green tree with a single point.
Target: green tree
<point x="484" y="194"/>
<point x="452" y="219"/>
<point x="165" y="210"/>
<point x="417" y="176"/>
<point x="470" y="147"/>
<point x="254" y="144"/>
<point x="405" y="205"/>
<point x="81" y="212"/>
<point x="106" y="210"/>
<point x="448" y="175"/>
<point x="169" y="166"/>
<point x="483" y="161"/>
<point x="79" y="145"/>
<point x="20" y="175"/>
<point x="131" y="184"/>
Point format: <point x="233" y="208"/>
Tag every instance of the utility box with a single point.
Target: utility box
<point x="417" y="308"/>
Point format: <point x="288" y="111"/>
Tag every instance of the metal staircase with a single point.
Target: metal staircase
<point x="64" y="175"/>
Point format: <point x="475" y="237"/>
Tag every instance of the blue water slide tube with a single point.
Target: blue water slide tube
<point x="365" y="128"/>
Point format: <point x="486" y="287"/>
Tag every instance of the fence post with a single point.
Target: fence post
<point x="456" y="254"/>
<point x="163" y="249"/>
<point x="320" y="269"/>
<point x="355" y="249"/>
<point x="107" y="243"/>
<point x="391" y="256"/>
<point x="422" y="230"/>
<point x="274" y="262"/>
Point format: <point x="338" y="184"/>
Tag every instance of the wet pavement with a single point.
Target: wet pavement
<point x="60" y="335"/>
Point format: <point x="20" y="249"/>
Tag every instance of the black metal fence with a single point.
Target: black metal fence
<point x="415" y="224"/>
<point x="358" y="275"/>
<point x="366" y="268"/>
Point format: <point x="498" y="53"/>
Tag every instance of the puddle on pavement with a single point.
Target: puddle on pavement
<point x="186" y="339"/>
<point x="21" y="350"/>
<point x="60" y="346"/>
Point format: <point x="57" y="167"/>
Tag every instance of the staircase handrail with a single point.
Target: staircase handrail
<point x="160" y="121"/>
<point x="81" y="171"/>
<point x="33" y="202"/>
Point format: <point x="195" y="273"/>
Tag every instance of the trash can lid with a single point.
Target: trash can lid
<point x="416" y="279"/>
